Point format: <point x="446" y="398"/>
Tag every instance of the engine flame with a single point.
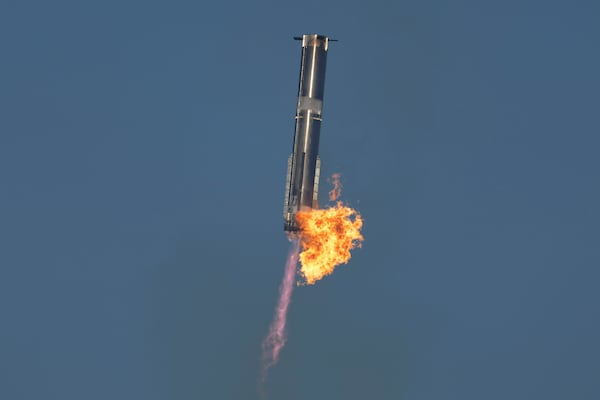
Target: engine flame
<point x="327" y="236"/>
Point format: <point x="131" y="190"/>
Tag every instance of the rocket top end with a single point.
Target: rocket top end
<point x="312" y="74"/>
<point x="314" y="40"/>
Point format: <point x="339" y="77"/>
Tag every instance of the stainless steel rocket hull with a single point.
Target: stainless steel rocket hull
<point x="302" y="183"/>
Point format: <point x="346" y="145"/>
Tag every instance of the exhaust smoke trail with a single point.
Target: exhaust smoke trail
<point x="276" y="337"/>
<point x="336" y="192"/>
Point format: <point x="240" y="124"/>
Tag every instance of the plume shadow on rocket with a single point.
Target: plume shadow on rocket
<point x="302" y="183"/>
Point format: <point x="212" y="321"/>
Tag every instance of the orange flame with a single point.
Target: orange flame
<point x="327" y="236"/>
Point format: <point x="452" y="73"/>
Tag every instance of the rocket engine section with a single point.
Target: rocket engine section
<point x="302" y="183"/>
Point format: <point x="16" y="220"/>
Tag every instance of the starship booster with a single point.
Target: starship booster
<point x="304" y="164"/>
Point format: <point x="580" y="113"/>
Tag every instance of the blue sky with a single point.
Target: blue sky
<point x="143" y="149"/>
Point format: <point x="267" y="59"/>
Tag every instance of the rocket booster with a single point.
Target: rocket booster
<point x="302" y="183"/>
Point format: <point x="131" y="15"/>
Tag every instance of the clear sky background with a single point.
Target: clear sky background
<point x="143" y="150"/>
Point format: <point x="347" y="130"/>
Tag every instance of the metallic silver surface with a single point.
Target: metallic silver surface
<point x="302" y="181"/>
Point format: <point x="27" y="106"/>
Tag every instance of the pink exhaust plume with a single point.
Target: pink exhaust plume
<point x="276" y="338"/>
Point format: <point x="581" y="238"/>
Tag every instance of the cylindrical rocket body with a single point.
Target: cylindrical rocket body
<point x="304" y="163"/>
